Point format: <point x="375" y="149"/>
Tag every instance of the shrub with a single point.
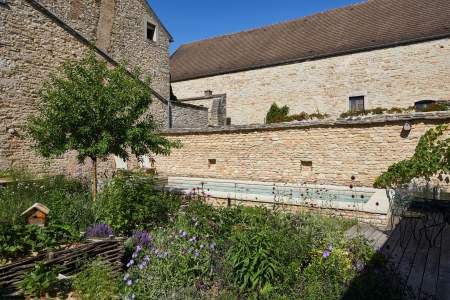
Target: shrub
<point x="39" y="281"/>
<point x="96" y="281"/>
<point x="19" y="240"/>
<point x="130" y="203"/>
<point x="279" y="115"/>
<point x="253" y="260"/>
<point x="275" y="113"/>
<point x="67" y="199"/>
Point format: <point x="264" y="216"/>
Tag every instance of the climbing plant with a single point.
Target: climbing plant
<point x="431" y="159"/>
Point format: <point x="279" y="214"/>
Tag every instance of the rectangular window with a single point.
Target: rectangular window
<point x="356" y="103"/>
<point x="151" y="31"/>
<point x="211" y="163"/>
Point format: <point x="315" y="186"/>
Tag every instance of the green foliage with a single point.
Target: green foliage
<point x="129" y="203"/>
<point x="276" y="112"/>
<point x="279" y="115"/>
<point x="97" y="111"/>
<point x="68" y="200"/>
<point x="253" y="260"/>
<point x="176" y="259"/>
<point x="96" y="281"/>
<point x="431" y="158"/>
<point x="39" y="281"/>
<point x="377" y="111"/>
<point x="256" y="253"/>
<point x="19" y="240"/>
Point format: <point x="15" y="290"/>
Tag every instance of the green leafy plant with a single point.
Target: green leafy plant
<point x="97" y="111"/>
<point x="253" y="260"/>
<point x="275" y="112"/>
<point x="19" y="240"/>
<point x="279" y="115"/>
<point x="129" y="203"/>
<point x="96" y="280"/>
<point x="68" y="200"/>
<point x="431" y="158"/>
<point x="39" y="281"/>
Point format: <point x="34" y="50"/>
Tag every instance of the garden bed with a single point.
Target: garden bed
<point x="67" y="260"/>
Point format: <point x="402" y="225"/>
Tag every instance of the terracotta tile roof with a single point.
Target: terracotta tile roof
<point x="370" y="25"/>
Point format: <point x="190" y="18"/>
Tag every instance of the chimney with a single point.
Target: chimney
<point x="208" y="93"/>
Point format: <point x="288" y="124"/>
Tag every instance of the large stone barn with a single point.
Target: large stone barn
<point x="379" y="53"/>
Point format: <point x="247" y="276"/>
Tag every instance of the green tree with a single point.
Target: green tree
<point x="97" y="111"/>
<point x="431" y="158"/>
<point x="275" y="113"/>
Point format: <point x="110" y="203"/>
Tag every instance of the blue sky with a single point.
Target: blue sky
<point x="193" y="20"/>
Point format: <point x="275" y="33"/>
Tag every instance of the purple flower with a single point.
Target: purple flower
<point x="202" y="246"/>
<point x="134" y="255"/>
<point x="129" y="282"/>
<point x="212" y="246"/>
<point x="99" y="231"/>
<point x="165" y="254"/>
<point x="142" y="239"/>
<point x="183" y="234"/>
<point x="326" y="253"/>
<point x="142" y="266"/>
<point x="147" y="258"/>
<point x="125" y="278"/>
<point x="196" y="253"/>
<point x="358" y="265"/>
<point x="193" y="239"/>
<point x="130" y="263"/>
<point x="330" y="247"/>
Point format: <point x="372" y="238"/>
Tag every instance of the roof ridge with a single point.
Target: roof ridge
<point x="363" y="2"/>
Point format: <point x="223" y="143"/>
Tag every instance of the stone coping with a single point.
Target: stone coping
<point x="352" y="121"/>
<point x="181" y="104"/>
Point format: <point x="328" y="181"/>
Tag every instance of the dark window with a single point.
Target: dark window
<point x="211" y="163"/>
<point x="228" y="121"/>
<point x="357" y="103"/>
<point x="151" y="31"/>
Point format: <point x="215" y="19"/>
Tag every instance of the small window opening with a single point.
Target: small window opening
<point x="211" y="163"/>
<point x="356" y="103"/>
<point x="151" y="31"/>
<point x="306" y="166"/>
<point x="228" y="121"/>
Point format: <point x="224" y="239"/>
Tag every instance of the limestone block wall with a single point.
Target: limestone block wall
<point x="31" y="47"/>
<point x="391" y="77"/>
<point x="320" y="152"/>
<point x="119" y="28"/>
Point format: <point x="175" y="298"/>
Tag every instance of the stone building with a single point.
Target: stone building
<point x="36" y="37"/>
<point x="380" y="53"/>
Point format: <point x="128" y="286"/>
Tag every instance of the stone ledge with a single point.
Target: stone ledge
<point x="363" y="120"/>
<point x="180" y="104"/>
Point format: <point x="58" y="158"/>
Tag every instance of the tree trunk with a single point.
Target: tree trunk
<point x="94" y="179"/>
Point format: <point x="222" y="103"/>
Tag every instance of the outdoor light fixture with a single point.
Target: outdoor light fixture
<point x="407" y="126"/>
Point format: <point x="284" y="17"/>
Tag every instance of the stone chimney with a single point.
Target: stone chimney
<point x="208" y="93"/>
<point x="105" y="24"/>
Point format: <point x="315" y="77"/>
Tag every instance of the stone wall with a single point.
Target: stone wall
<point x="124" y="37"/>
<point x="216" y="105"/>
<point x="318" y="152"/>
<point x="391" y="77"/>
<point x="186" y="115"/>
<point x="32" y="46"/>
